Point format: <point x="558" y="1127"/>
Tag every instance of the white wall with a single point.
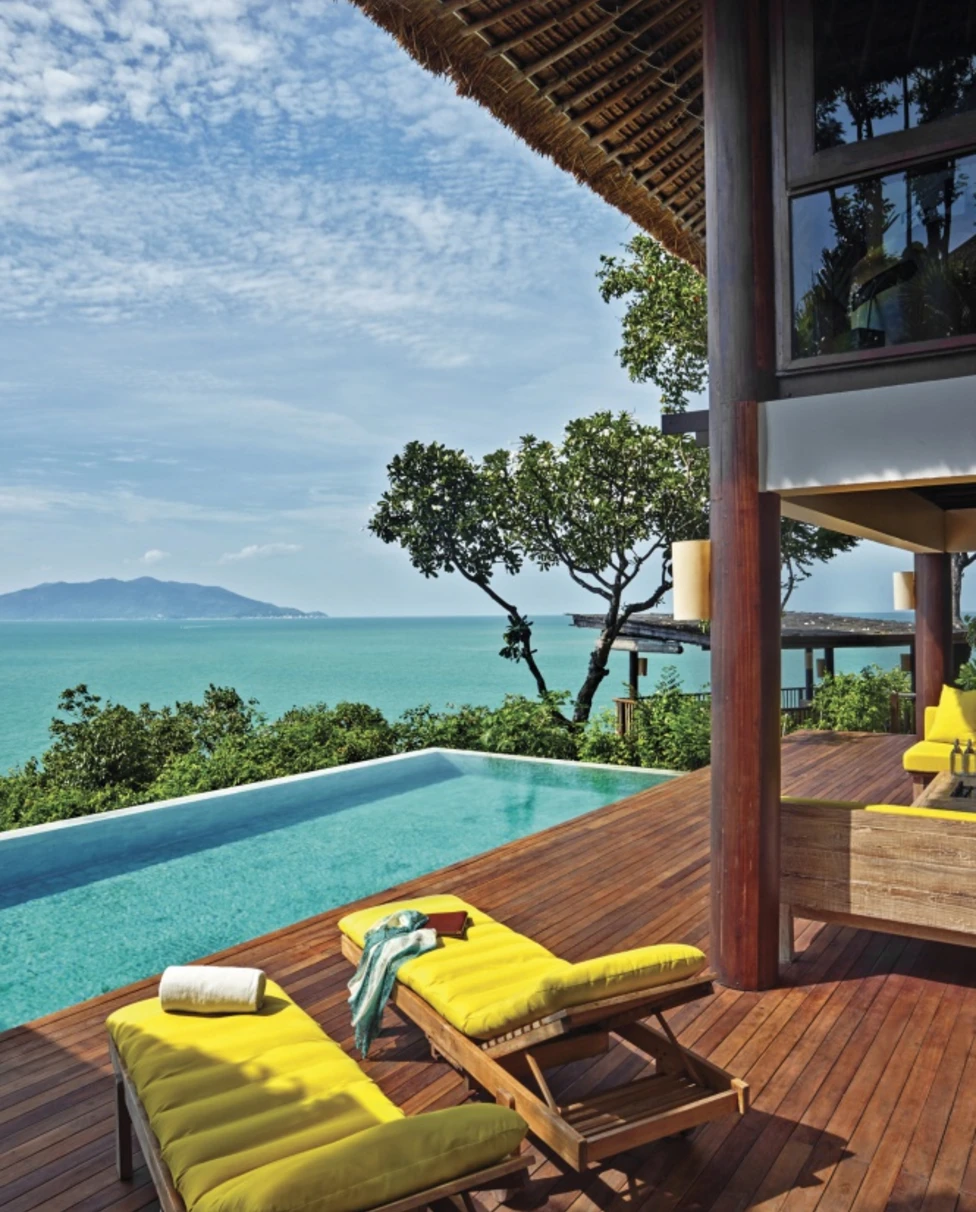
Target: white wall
<point x="915" y="432"/>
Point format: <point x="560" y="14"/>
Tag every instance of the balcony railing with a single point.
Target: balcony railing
<point x="793" y="702"/>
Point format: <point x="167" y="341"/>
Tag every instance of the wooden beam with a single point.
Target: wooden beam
<point x="605" y="52"/>
<point x="533" y="31"/>
<point x="933" y="632"/>
<point x="501" y="14"/>
<point x="695" y="422"/>
<point x="897" y="517"/>
<point x="745" y="522"/>
<point x="581" y="39"/>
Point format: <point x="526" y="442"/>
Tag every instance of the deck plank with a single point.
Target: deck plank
<point x="862" y="1064"/>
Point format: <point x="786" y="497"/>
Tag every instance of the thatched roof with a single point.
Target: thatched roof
<point x="611" y="90"/>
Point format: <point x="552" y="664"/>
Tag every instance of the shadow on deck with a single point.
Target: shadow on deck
<point x="862" y="1066"/>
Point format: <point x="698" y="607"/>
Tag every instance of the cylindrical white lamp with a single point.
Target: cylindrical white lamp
<point x="691" y="562"/>
<point x="904" y="590"/>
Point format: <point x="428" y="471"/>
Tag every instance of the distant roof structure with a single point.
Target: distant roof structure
<point x="800" y="630"/>
<point x="611" y="90"/>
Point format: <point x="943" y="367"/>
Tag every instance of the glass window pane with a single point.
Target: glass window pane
<point x="885" y="261"/>
<point x="883" y="67"/>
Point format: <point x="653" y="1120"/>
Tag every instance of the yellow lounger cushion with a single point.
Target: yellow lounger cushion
<point x="496" y="979"/>
<point x="264" y="1113"/>
<point x="927" y="757"/>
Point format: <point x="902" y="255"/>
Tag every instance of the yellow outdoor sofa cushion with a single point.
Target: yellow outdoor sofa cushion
<point x="927" y="757"/>
<point x="496" y="979"/>
<point x="264" y="1113"/>
<point x="943" y="814"/>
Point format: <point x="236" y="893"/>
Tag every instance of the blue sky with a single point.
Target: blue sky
<point x="248" y="251"/>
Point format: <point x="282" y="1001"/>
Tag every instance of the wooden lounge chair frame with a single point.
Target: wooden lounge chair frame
<point x="131" y="1118"/>
<point x="685" y="1089"/>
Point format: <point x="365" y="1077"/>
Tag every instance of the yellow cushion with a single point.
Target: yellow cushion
<point x="927" y="757"/>
<point x="378" y="1165"/>
<point x="249" y="1107"/>
<point x="496" y="979"/>
<point x="955" y="717"/>
<point x="942" y="814"/>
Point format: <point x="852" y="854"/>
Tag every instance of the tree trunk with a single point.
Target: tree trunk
<point x="959" y="562"/>
<point x="595" y="673"/>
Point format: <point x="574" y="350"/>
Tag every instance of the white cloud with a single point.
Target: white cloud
<point x="259" y="551"/>
<point x="283" y="161"/>
<point x="122" y="503"/>
<point x="154" y="556"/>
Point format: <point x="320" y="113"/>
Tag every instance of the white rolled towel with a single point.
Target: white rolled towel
<point x="199" y="989"/>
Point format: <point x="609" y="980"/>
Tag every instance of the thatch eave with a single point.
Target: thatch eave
<point x="642" y="153"/>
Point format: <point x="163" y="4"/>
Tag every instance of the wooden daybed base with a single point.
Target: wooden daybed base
<point x="685" y="1090"/>
<point x="130" y="1117"/>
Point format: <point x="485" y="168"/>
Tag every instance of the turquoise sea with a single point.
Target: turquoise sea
<point x="390" y="663"/>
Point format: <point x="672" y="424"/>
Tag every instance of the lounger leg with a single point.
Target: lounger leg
<point x="123" y="1133"/>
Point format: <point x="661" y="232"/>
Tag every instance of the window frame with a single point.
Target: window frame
<point x="799" y="169"/>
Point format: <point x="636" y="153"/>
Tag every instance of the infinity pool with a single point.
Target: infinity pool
<point x="91" y="904"/>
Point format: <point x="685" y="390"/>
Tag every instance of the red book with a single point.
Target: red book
<point x="450" y="925"/>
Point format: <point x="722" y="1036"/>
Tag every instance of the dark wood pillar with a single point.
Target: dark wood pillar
<point x="745" y="522"/>
<point x="829" y="661"/>
<point x="933" y="632"/>
<point x="633" y="676"/>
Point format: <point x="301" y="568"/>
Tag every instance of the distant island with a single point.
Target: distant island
<point x="142" y="598"/>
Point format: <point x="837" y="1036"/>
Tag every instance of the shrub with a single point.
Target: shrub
<point x="857" y="702"/>
<point x="670" y="729"/>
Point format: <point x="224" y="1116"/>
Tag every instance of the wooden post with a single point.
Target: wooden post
<point x="745" y="523"/>
<point x="808" y="673"/>
<point x="933" y="632"/>
<point x="634" y="676"/>
<point x="829" y="661"/>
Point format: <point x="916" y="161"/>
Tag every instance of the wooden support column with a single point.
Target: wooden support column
<point x="808" y="673"/>
<point x="933" y="632"/>
<point x="745" y="523"/>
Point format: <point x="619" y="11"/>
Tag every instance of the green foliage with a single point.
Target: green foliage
<point x="671" y="730"/>
<point x="665" y="332"/>
<point x="857" y="702"/>
<point x="967" y="674"/>
<point x="604" y="504"/>
<point x="521" y="726"/>
<point x="665" y="326"/>
<point x="106" y="756"/>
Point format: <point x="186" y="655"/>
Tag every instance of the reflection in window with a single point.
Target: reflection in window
<point x="886" y="261"/>
<point x="883" y="67"/>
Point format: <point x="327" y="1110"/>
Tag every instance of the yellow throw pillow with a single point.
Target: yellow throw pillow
<point x="955" y="717"/>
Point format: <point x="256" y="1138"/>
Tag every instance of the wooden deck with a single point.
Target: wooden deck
<point x="862" y="1067"/>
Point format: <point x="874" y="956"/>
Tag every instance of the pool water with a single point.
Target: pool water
<point x="92" y="904"/>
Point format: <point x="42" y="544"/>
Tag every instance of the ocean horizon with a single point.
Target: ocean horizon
<point x="392" y="663"/>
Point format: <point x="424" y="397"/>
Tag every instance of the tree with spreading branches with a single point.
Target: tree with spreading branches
<point x="605" y="505"/>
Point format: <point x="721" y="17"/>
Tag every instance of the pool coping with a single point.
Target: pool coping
<point x="114" y="813"/>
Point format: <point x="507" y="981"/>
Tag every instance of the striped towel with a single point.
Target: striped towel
<point x="386" y="947"/>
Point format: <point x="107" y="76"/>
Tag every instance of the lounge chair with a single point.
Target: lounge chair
<point x="264" y="1113"/>
<point x="503" y="1009"/>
